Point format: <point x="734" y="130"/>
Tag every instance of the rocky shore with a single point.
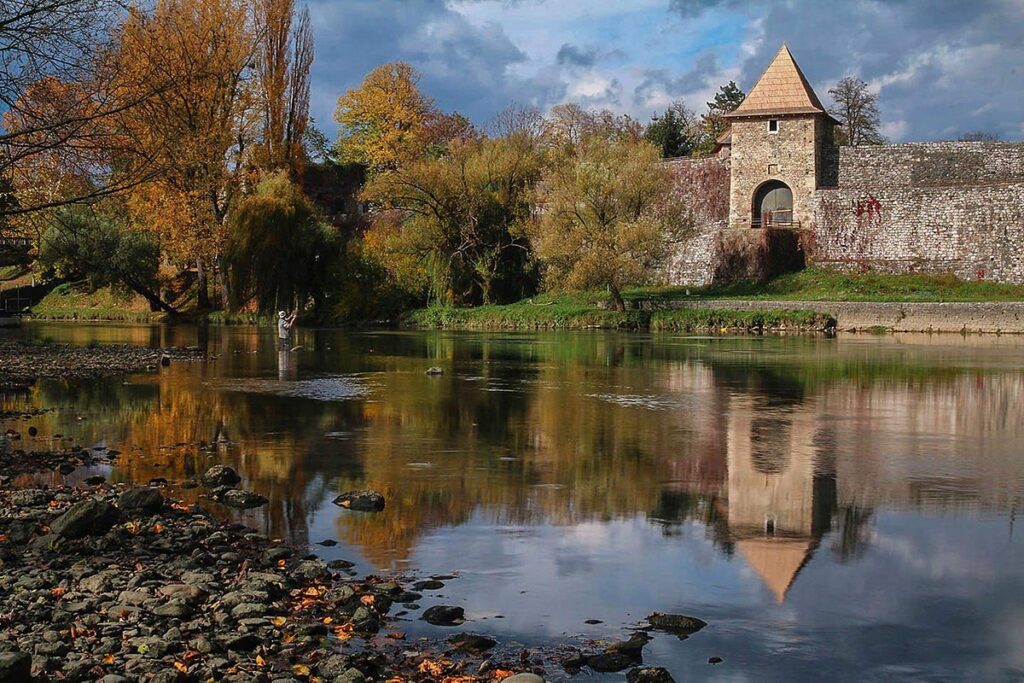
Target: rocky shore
<point x="23" y="362"/>
<point x="114" y="583"/>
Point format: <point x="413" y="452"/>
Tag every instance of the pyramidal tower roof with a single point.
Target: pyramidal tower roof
<point x="782" y="89"/>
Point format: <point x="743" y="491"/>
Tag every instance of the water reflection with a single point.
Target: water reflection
<point x="774" y="486"/>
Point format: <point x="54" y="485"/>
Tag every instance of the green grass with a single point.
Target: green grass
<point x="815" y="284"/>
<point x="70" y="302"/>
<point x="579" y="316"/>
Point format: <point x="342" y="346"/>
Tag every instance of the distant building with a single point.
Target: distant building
<point x="795" y="197"/>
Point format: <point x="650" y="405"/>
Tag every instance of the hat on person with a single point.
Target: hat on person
<point x="281" y="314"/>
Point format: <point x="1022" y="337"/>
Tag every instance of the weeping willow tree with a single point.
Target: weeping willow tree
<point x="280" y="253"/>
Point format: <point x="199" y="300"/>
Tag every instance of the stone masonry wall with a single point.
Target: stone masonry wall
<point x="704" y="185"/>
<point x="790" y="155"/>
<point x="954" y="208"/>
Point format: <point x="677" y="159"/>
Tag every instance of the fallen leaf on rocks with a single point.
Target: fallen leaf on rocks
<point x="366" y="600"/>
<point x="328" y="620"/>
<point x="396" y="635"/>
<point x="279" y="621"/>
<point x="183" y="668"/>
<point x="260" y="661"/>
<point x="300" y="670"/>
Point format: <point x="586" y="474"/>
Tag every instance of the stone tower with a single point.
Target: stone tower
<point x="779" y="133"/>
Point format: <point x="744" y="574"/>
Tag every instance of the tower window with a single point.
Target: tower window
<point x="773" y="125"/>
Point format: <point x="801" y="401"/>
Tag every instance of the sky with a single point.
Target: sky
<point x="941" y="68"/>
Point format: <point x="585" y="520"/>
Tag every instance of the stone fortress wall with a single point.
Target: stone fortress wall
<point x="939" y="207"/>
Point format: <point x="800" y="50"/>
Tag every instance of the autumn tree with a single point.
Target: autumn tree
<point x="607" y="217"/>
<point x="675" y="132"/>
<point x="56" y="95"/>
<point x="280" y="252"/>
<point x="464" y="216"/>
<point x="856" y="109"/>
<point x="198" y="124"/>
<point x="284" y="55"/>
<point x="384" y="122"/>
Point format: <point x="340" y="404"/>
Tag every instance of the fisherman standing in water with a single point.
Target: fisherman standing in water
<point x="284" y="330"/>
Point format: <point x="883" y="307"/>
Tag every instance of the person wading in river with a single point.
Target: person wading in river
<point x="284" y="330"/>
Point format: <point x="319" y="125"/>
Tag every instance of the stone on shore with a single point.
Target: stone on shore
<point x="472" y="642"/>
<point x="242" y="499"/>
<point x="676" y="624"/>
<point x="90" y="517"/>
<point x="649" y="674"/>
<point x="220" y="475"/>
<point x="435" y="371"/>
<point x="362" y="501"/>
<point x="15" y="667"/>
<point x="141" y="498"/>
<point x="444" y="615"/>
<point x="524" y="678"/>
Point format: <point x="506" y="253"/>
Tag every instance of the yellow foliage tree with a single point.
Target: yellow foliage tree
<point x="607" y="216"/>
<point x="198" y="124"/>
<point x="385" y="121"/>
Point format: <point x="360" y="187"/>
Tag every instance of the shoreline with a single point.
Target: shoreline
<point x="122" y="583"/>
<point x="718" y="316"/>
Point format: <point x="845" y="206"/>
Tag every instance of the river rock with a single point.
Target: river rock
<point x="363" y="501"/>
<point x="524" y="678"/>
<point x="220" y="475"/>
<point x="15" y="667"/>
<point x="649" y="674"/>
<point x="240" y="498"/>
<point x="89" y="517"/>
<point x="444" y="615"/>
<point x="142" y="499"/>
<point x="472" y="642"/>
<point x="610" y="661"/>
<point x="353" y="675"/>
<point x="676" y="624"/>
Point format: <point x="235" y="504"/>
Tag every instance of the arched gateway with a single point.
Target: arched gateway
<point x="773" y="205"/>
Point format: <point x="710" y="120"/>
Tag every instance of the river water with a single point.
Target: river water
<point x="840" y="509"/>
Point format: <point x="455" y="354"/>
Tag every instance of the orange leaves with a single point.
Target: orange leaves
<point x="396" y="635"/>
<point x="328" y="620"/>
<point x="108" y="659"/>
<point x="180" y="666"/>
<point x="343" y="632"/>
<point x="301" y="670"/>
<point x="279" y="621"/>
<point x="157" y="528"/>
<point x="260" y="661"/>
<point x="502" y="674"/>
<point x="58" y="591"/>
<point x="434" y="667"/>
<point x="367" y="600"/>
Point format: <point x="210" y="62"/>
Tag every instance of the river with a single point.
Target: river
<point x="837" y="509"/>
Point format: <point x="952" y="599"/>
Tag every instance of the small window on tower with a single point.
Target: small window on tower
<point x="773" y="125"/>
<point x="773" y="169"/>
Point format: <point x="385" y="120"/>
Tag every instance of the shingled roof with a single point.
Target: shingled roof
<point x="782" y="89"/>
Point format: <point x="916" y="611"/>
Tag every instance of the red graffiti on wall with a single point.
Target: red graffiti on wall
<point x="869" y="209"/>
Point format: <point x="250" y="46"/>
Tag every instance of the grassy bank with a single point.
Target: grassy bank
<point x="68" y="302"/>
<point x="578" y="316"/>
<point x="820" y="285"/>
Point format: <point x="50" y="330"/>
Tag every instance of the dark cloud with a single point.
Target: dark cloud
<point x="573" y="55"/>
<point x="463" y="66"/>
<point x="942" y="67"/>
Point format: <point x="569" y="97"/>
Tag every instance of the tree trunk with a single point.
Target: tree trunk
<point x="222" y="269"/>
<point x="155" y="302"/>
<point x="617" y="301"/>
<point x="202" y="295"/>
